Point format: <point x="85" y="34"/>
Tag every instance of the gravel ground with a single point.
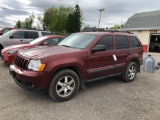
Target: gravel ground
<point x="109" y="99"/>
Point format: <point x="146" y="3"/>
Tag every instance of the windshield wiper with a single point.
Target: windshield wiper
<point x="65" y="45"/>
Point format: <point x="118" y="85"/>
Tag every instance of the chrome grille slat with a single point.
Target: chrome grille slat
<point x="21" y="62"/>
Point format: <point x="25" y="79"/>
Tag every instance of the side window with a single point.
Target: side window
<point x="122" y="42"/>
<point x="18" y="34"/>
<point x="52" y="41"/>
<point x="106" y="40"/>
<point x="31" y="34"/>
<point x="134" y="42"/>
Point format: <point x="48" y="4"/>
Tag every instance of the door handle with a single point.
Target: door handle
<point x="21" y="40"/>
<point x="129" y="53"/>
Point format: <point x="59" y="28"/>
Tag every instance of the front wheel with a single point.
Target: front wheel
<point x="64" y="85"/>
<point x="130" y="73"/>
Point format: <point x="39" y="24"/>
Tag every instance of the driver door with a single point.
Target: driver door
<point x="16" y="38"/>
<point x="99" y="63"/>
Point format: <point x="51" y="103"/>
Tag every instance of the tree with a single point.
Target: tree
<point x="101" y="29"/>
<point x="29" y="22"/>
<point x="77" y="18"/>
<point x="69" y="23"/>
<point x="74" y="21"/>
<point x="55" y="18"/>
<point x="117" y="26"/>
<point x="18" y="24"/>
<point x="43" y="22"/>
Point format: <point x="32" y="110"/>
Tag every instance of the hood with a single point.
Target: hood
<point x="21" y="46"/>
<point x="44" y="51"/>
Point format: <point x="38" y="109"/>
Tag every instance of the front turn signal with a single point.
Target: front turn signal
<point x="41" y="68"/>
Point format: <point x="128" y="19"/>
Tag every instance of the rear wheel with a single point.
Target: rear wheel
<point x="64" y="85"/>
<point x="130" y="73"/>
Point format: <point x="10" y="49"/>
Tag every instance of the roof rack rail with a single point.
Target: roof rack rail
<point x="119" y="31"/>
<point x="111" y="31"/>
<point x="126" y="32"/>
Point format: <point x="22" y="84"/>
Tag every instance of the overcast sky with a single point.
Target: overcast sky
<point x="116" y="11"/>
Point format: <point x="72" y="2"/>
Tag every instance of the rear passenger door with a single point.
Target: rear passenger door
<point x="30" y="35"/>
<point x="136" y="48"/>
<point x="99" y="62"/>
<point x="122" y="53"/>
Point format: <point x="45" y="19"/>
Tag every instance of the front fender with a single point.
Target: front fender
<point x="55" y="65"/>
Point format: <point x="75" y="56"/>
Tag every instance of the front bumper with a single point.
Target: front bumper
<point x="30" y="80"/>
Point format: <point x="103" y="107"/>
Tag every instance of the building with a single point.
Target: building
<point x="146" y="26"/>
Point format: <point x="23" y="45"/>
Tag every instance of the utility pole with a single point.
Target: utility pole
<point x="101" y="10"/>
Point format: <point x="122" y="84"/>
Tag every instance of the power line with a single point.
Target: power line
<point x="97" y="20"/>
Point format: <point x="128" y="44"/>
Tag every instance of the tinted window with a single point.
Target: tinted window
<point x="122" y="42"/>
<point x="134" y="42"/>
<point x="31" y="34"/>
<point x="106" y="40"/>
<point x="18" y="34"/>
<point x="46" y="33"/>
<point x="53" y="41"/>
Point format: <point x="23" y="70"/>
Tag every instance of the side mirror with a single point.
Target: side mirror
<point x="99" y="48"/>
<point x="11" y="37"/>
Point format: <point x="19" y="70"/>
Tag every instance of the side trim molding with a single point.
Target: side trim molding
<point x="101" y="78"/>
<point x="108" y="68"/>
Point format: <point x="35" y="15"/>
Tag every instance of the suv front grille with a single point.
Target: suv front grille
<point x="21" y="62"/>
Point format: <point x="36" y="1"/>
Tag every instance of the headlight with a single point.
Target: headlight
<point x="11" y="52"/>
<point x="36" y="65"/>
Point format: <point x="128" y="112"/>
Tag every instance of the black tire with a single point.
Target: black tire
<point x="130" y="73"/>
<point x="64" y="85"/>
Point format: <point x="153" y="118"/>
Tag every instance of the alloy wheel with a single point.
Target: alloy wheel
<point x="65" y="86"/>
<point x="132" y="72"/>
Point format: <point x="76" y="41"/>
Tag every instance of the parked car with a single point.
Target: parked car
<point x="78" y="59"/>
<point x="155" y="45"/>
<point x="4" y="30"/>
<point x="20" y="36"/>
<point x="9" y="53"/>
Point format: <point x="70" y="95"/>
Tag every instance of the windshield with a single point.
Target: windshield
<point x="35" y="41"/>
<point x="79" y="40"/>
<point x="8" y="33"/>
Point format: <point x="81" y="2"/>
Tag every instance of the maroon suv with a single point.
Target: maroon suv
<point x="79" y="58"/>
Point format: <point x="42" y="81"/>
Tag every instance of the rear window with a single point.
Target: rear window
<point x="122" y="42"/>
<point x="31" y="34"/>
<point x="46" y="33"/>
<point x="134" y="42"/>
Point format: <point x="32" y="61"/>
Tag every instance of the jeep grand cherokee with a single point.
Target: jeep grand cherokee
<point x="78" y="59"/>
